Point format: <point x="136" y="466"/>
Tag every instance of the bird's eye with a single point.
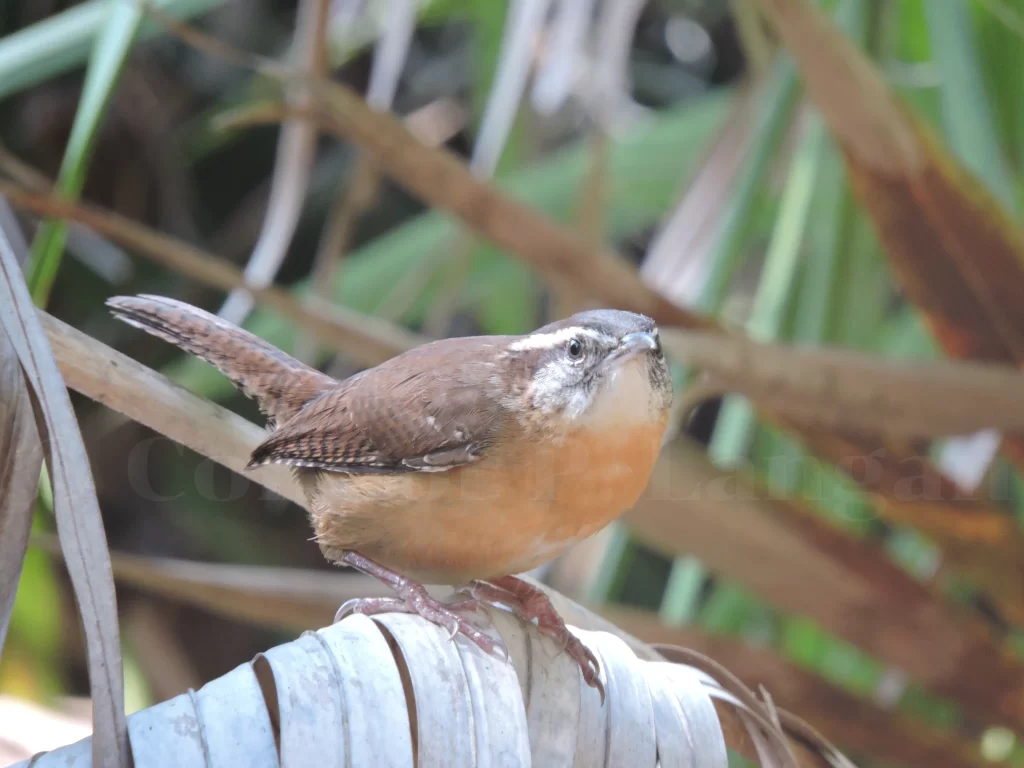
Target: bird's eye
<point x="574" y="349"/>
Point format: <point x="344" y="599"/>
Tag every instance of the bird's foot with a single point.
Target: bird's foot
<point x="530" y="603"/>
<point x="413" y="598"/>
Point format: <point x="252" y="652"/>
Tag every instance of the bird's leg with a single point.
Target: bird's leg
<point x="412" y="598"/>
<point x="529" y="603"/>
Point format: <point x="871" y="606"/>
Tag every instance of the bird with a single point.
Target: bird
<point x="463" y="461"/>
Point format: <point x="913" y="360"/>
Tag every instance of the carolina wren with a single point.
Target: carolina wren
<point x="461" y="462"/>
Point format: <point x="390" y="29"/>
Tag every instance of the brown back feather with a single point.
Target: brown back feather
<point x="433" y="408"/>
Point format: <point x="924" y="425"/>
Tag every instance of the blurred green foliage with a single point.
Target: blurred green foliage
<point x="954" y="63"/>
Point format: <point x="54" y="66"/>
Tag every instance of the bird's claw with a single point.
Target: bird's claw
<point x="589" y="667"/>
<point x="483" y="641"/>
<point x="481" y="610"/>
<point x="344" y="610"/>
<point x="492" y="646"/>
<point x="529" y="604"/>
<point x="368" y="606"/>
<point x="505" y="657"/>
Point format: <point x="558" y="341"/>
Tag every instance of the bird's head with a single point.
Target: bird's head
<point x="597" y="367"/>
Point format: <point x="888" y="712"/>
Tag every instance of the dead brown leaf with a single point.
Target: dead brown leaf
<point x="21" y="456"/>
<point x="367" y="340"/>
<point x="835" y="388"/>
<point x="792" y="557"/>
<point x="956" y="252"/>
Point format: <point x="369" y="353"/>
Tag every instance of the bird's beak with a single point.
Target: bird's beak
<point x="633" y="344"/>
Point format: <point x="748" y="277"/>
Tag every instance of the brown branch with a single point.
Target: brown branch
<point x="365" y="339"/>
<point x="441" y="179"/>
<point x="790" y="556"/>
<point x="959" y="524"/>
<point x="830" y="388"/>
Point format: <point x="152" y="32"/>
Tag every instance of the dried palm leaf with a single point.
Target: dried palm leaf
<point x="395" y="690"/>
<point x="79" y="523"/>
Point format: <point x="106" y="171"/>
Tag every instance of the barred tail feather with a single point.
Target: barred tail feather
<point x="279" y="383"/>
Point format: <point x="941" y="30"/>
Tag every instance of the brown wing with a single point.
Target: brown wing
<point x="430" y="409"/>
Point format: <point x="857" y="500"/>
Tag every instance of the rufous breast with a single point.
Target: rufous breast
<point x="520" y="506"/>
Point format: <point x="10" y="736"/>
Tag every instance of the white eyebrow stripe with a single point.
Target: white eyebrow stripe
<point x="559" y="337"/>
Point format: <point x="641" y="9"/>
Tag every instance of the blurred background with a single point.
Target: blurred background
<point x="678" y="133"/>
